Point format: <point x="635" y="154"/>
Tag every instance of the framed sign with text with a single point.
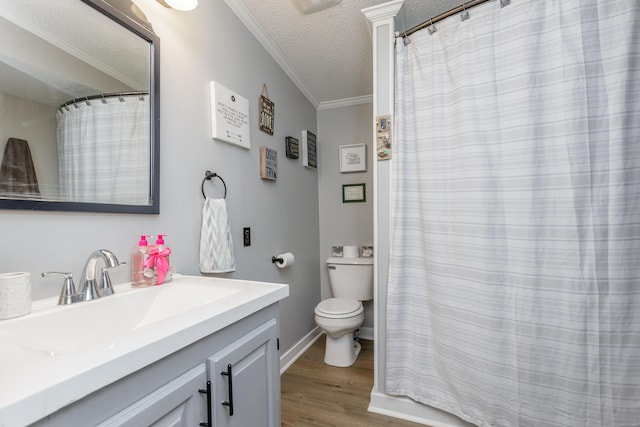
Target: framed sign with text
<point x="268" y="163"/>
<point x="229" y="116"/>
<point x="309" y="150"/>
<point x="353" y="193"/>
<point x="353" y="158"/>
<point x="267" y="110"/>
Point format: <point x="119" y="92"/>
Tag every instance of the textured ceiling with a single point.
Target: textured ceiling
<point x="328" y="54"/>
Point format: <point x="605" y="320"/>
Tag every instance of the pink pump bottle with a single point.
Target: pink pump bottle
<point x="139" y="256"/>
<point x="161" y="247"/>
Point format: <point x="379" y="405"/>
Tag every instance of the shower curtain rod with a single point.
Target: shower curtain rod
<point x="442" y="16"/>
<point x="103" y="95"/>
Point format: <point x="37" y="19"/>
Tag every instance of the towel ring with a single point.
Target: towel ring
<point x="207" y="177"/>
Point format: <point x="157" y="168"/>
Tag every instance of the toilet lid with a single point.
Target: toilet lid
<point x="339" y="308"/>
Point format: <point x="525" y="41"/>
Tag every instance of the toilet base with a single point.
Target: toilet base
<point x="341" y="352"/>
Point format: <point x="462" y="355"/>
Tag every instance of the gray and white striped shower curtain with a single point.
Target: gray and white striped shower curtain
<point x="514" y="283"/>
<point x="103" y="150"/>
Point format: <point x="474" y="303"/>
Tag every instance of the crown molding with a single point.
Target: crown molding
<point x="383" y="11"/>
<point x="346" y="102"/>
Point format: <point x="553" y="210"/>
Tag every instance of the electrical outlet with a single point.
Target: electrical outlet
<point x="246" y="236"/>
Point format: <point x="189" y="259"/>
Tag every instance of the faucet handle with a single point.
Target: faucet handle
<point x="106" y="288"/>
<point x="68" y="293"/>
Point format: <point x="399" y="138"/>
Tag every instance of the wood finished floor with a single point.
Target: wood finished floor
<point x="315" y="394"/>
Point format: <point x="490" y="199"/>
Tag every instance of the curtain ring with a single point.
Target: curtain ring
<point x="406" y="40"/>
<point x="432" y="28"/>
<point x="465" y="13"/>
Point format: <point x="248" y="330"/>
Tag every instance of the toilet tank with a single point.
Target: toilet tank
<point x="351" y="278"/>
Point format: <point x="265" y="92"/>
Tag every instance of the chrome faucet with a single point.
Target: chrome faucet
<point x="91" y="288"/>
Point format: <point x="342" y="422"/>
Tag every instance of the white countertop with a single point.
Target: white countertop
<point x="35" y="382"/>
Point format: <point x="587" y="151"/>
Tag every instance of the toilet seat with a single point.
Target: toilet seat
<point x="339" y="308"/>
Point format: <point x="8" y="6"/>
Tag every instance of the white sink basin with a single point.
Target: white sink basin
<point x="98" y="324"/>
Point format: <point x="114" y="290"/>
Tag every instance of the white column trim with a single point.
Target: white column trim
<point x="382" y="18"/>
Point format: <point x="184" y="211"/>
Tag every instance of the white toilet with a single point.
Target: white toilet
<point x="351" y="282"/>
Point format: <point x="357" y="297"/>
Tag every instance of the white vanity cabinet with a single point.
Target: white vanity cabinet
<point x="246" y="381"/>
<point x="178" y="403"/>
<point x="171" y="391"/>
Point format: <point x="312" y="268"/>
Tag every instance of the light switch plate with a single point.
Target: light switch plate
<point x="246" y="236"/>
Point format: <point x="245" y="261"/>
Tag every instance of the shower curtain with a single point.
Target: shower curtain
<point x="104" y="150"/>
<point x="514" y="281"/>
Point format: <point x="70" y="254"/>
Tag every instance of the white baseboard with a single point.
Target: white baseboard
<point x="407" y="409"/>
<point x="301" y="346"/>
<point x="298" y="349"/>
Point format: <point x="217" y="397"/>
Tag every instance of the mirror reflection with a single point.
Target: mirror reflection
<point x="76" y="108"/>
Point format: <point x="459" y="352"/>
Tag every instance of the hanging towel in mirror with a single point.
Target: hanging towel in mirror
<point x="216" y="246"/>
<point x="17" y="173"/>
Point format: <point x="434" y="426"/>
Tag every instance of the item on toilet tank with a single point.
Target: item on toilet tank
<point x="15" y="294"/>
<point x="351" y="251"/>
<point x="284" y="260"/>
<point x="141" y="276"/>
<point x="160" y="261"/>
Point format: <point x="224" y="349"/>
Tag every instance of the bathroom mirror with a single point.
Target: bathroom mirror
<point x="79" y="107"/>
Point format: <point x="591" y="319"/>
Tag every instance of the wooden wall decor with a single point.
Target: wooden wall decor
<point x="268" y="163"/>
<point x="266" y="115"/>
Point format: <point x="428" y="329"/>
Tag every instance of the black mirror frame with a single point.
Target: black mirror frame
<point x="130" y="23"/>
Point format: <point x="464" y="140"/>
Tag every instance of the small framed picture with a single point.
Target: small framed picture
<point x="354" y="193"/>
<point x="353" y="158"/>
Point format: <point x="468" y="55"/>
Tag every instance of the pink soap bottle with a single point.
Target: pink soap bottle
<point x="139" y="256"/>
<point x="163" y="249"/>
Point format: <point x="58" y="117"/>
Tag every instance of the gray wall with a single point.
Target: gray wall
<point x="197" y="47"/>
<point x="344" y="223"/>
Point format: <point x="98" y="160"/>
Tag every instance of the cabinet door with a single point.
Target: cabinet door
<point x="176" y="404"/>
<point x="246" y="380"/>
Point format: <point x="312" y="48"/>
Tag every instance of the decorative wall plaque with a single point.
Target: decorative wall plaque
<point x="383" y="137"/>
<point x="353" y="158"/>
<point x="291" y="146"/>
<point x="229" y="116"/>
<point x="268" y="163"/>
<point x="266" y="112"/>
<point x="309" y="149"/>
<point x="354" y="193"/>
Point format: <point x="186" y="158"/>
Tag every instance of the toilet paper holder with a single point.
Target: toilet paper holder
<point x="283" y="260"/>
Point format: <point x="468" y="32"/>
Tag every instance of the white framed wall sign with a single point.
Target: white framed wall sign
<point x="353" y="158"/>
<point x="229" y="116"/>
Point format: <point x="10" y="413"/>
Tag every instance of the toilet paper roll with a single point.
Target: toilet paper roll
<point x="287" y="260"/>
<point x="15" y="294"/>
<point x="350" y="251"/>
